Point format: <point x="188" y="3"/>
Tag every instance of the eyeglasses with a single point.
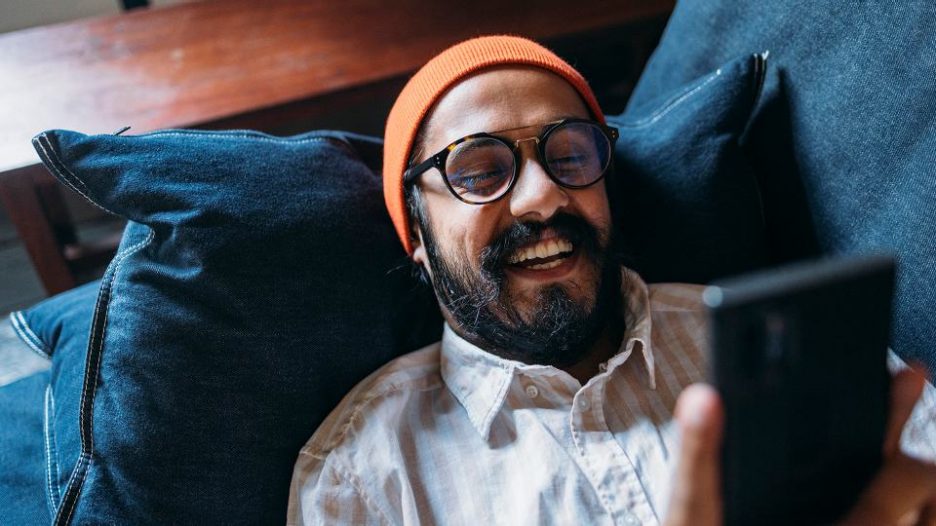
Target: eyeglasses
<point x="482" y="168"/>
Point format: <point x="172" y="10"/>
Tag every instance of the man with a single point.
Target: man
<point x="551" y="397"/>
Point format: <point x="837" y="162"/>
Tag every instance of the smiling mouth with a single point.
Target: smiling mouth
<point x="545" y="254"/>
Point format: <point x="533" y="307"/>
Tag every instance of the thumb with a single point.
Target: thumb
<point x="906" y="387"/>
<point x="696" y="497"/>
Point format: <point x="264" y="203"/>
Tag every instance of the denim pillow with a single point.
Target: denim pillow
<point x="60" y="322"/>
<point x="58" y="326"/>
<point x="843" y="140"/>
<point x="258" y="280"/>
<point x="22" y="460"/>
<point x="687" y="203"/>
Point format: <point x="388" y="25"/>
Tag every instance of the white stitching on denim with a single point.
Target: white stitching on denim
<point x="53" y="160"/>
<point x="58" y="473"/>
<point x="97" y="337"/>
<point x="100" y="340"/>
<point x="51" y="450"/>
<point x="26" y="334"/>
<point x="97" y="341"/>
<point x="79" y="467"/>
<point x="669" y="105"/>
<point x="275" y="140"/>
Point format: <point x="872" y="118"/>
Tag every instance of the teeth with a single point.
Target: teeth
<point x="543" y="249"/>
<point x="554" y="247"/>
<point x="544" y="266"/>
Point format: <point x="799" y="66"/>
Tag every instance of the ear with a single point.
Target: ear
<point x="419" y="248"/>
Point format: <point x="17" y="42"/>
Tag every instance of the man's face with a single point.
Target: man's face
<point x="528" y="276"/>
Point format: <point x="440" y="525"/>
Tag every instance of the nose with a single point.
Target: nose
<point x="535" y="196"/>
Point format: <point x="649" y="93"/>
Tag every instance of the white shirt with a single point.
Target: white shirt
<point x="451" y="434"/>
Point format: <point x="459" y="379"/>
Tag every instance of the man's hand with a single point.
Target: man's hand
<point x="903" y="491"/>
<point x="696" y="497"/>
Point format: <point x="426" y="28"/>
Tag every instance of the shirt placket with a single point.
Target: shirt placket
<point x="606" y="464"/>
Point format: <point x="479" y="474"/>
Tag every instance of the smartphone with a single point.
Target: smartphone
<point x="799" y="357"/>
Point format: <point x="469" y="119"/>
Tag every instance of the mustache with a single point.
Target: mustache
<point x="578" y="231"/>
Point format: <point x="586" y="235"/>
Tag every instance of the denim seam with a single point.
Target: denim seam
<point x="93" y="360"/>
<point x="76" y="480"/>
<point x="28" y="336"/>
<point x="95" y="347"/>
<point x="62" y="172"/>
<point x="69" y="501"/>
<point x="52" y="471"/>
<point x="89" y="389"/>
<point x="275" y="140"/>
<point x="72" y="181"/>
<point x="670" y="105"/>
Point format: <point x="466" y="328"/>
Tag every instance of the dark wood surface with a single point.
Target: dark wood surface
<point x="20" y="191"/>
<point x="194" y="63"/>
<point x="272" y="65"/>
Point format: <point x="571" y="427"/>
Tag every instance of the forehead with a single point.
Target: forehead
<point x="501" y="99"/>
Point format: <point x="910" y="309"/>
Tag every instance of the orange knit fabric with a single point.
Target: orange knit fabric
<point x="437" y="76"/>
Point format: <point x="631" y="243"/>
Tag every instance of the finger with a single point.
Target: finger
<point x="905" y="391"/>
<point x="903" y="488"/>
<point x="696" y="497"/>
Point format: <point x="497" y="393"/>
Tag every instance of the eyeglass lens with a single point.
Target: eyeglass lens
<point x="481" y="169"/>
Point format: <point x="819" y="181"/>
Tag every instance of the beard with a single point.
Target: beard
<point x="557" y="329"/>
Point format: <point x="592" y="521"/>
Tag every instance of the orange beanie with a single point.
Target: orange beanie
<point x="437" y="76"/>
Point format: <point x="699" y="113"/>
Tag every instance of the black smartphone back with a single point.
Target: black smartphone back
<point x="799" y="356"/>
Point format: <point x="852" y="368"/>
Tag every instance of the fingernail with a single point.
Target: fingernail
<point x="697" y="407"/>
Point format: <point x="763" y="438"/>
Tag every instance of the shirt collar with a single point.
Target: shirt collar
<point x="479" y="380"/>
<point x="637" y="319"/>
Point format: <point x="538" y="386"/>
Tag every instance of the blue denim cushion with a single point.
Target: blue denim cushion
<point x="843" y="140"/>
<point x="59" y="326"/>
<point x="686" y="199"/>
<point x="59" y="322"/>
<point x="258" y="280"/>
<point x="22" y="458"/>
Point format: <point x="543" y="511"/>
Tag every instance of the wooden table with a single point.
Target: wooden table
<point x="273" y="65"/>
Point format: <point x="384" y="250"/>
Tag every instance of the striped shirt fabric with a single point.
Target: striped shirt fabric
<point x="451" y="434"/>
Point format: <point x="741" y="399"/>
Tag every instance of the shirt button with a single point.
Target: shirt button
<point x="583" y="403"/>
<point x="630" y="518"/>
<point x="532" y="391"/>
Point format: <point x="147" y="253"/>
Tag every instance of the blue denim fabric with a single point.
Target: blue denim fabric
<point x="22" y="458"/>
<point x="686" y="199"/>
<point x="844" y="139"/>
<point x="60" y="327"/>
<point x="258" y="280"/>
<point x="62" y="321"/>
